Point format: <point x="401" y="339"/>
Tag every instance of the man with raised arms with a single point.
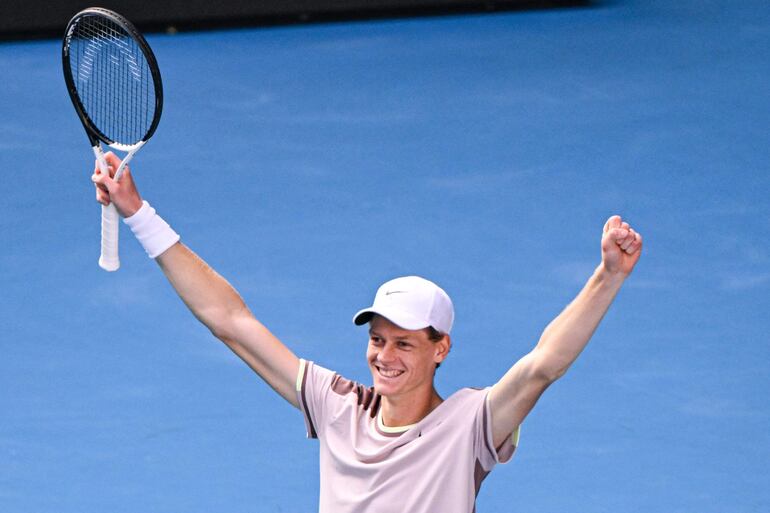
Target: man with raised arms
<point x="396" y="446"/>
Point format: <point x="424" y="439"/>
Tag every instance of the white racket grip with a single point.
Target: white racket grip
<point x="109" y="260"/>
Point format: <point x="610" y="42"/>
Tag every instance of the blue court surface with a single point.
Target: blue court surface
<point x="308" y="164"/>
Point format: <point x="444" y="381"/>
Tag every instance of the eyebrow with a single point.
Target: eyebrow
<point x="407" y="337"/>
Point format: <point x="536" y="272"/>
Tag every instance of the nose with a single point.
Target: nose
<point x="387" y="354"/>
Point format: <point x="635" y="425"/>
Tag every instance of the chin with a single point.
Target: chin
<point x="384" y="389"/>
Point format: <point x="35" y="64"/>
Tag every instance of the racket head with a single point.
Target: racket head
<point x="112" y="77"/>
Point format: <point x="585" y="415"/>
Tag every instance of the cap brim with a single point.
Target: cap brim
<point x="401" y="319"/>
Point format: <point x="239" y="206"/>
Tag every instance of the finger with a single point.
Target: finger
<point x="102" y="197"/>
<point x="97" y="177"/>
<point x="112" y="160"/>
<point x="103" y="181"/>
<point x="636" y="245"/>
<point x="612" y="222"/>
<point x="107" y="180"/>
<point x="98" y="167"/>
<point x="617" y="234"/>
<point x="125" y="177"/>
<point x="625" y="225"/>
<point x="630" y="239"/>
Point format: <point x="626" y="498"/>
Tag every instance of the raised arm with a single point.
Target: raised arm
<point x="210" y="298"/>
<point x="514" y="396"/>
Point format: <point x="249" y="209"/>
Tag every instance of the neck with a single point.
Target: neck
<point x="404" y="411"/>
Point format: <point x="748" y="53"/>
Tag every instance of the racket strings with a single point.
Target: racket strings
<point x="113" y="79"/>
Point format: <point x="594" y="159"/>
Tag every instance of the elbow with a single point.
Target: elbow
<point x="222" y="324"/>
<point x="556" y="374"/>
<point x="549" y="375"/>
<point x="549" y="369"/>
<point x="221" y="331"/>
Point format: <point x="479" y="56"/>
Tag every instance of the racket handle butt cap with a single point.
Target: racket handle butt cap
<point x="109" y="264"/>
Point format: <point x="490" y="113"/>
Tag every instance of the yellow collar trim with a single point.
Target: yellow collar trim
<point x="395" y="429"/>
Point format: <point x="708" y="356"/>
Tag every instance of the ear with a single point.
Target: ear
<point x="441" y="349"/>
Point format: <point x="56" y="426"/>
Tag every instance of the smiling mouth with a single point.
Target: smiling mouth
<point x="389" y="373"/>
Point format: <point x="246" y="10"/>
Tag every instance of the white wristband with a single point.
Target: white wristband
<point x="152" y="232"/>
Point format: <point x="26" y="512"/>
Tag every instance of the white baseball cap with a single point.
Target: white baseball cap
<point x="412" y="303"/>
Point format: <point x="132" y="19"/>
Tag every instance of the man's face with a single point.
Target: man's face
<point x="402" y="361"/>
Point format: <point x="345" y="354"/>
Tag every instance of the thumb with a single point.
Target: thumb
<point x="613" y="222"/>
<point x="112" y="161"/>
<point x="104" y="179"/>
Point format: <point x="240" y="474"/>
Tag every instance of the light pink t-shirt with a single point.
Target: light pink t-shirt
<point x="434" y="466"/>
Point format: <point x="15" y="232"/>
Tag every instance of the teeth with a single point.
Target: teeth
<point x="390" y="373"/>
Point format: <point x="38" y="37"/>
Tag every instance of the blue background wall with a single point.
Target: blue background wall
<point x="308" y="164"/>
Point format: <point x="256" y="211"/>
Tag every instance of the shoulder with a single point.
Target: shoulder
<point x="469" y="394"/>
<point x="324" y="383"/>
<point x="365" y="396"/>
<point x="464" y="403"/>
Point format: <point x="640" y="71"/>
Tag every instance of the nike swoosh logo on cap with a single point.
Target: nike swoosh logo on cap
<point x="396" y="292"/>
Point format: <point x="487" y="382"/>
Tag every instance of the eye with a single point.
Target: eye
<point x="404" y="344"/>
<point x="375" y="340"/>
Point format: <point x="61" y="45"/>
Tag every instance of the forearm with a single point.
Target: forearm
<point x="207" y="294"/>
<point x="568" y="334"/>
<point x="220" y="308"/>
<point x="210" y="298"/>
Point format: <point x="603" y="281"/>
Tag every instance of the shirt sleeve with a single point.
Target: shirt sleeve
<point x="313" y="386"/>
<point x="489" y="455"/>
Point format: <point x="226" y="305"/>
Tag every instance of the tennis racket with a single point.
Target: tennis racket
<point x="114" y="83"/>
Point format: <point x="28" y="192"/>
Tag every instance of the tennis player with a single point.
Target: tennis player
<point x="396" y="446"/>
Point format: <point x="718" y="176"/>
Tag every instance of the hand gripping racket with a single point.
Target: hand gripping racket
<point x="114" y="82"/>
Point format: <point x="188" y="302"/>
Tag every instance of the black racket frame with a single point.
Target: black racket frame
<point x="94" y="134"/>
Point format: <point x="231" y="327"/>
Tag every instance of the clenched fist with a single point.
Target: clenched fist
<point x="621" y="246"/>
